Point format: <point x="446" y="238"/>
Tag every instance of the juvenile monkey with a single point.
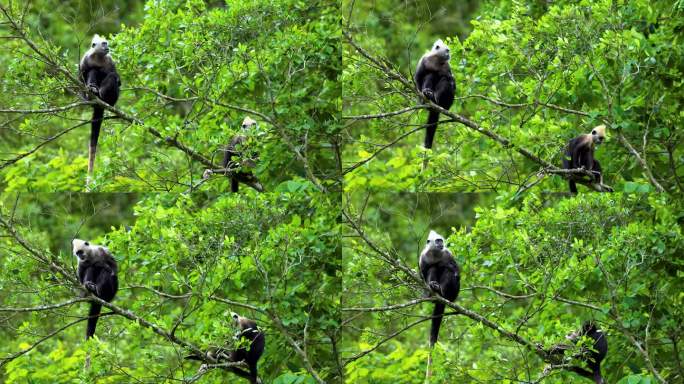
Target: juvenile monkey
<point x="591" y="357"/>
<point x="248" y="333"/>
<point x="580" y="154"/>
<point x="97" y="271"/>
<point x="98" y="73"/>
<point x="233" y="152"/>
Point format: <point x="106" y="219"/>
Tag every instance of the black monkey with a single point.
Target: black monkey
<point x="580" y="154"/>
<point x="434" y="80"/>
<point x="235" y="157"/>
<point x="97" y="271"/>
<point x="98" y="73"/>
<point x="441" y="273"/>
<point x="248" y="334"/>
<point x="591" y="356"/>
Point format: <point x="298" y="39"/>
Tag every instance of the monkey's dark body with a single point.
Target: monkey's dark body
<point x="580" y="153"/>
<point x="435" y="81"/>
<point x="100" y="278"/>
<point x="250" y="356"/>
<point x="231" y="152"/>
<point x="444" y="278"/>
<point x="592" y="358"/>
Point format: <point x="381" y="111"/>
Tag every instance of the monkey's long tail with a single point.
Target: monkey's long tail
<point x="430" y="130"/>
<point x="573" y="186"/>
<point x="98" y="114"/>
<point x="434" y="332"/>
<point x="436" y="323"/>
<point x="93" y="315"/>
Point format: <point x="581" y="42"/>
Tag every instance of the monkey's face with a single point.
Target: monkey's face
<point x="248" y="124"/>
<point x="435" y="241"/>
<point x="80" y="249"/>
<point x="598" y="134"/>
<point x="588" y="328"/>
<point x="441" y="50"/>
<point x="99" y="45"/>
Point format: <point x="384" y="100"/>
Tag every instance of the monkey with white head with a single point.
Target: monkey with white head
<point x="97" y="271"/>
<point x="580" y="154"/>
<point x="251" y="343"/>
<point x="238" y="159"/>
<point x="97" y="71"/>
<point x="434" y="80"/>
<point x="441" y="273"/>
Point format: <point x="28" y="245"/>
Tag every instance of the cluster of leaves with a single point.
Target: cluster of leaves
<point x="615" y="259"/>
<point x="191" y="71"/>
<point x="604" y="62"/>
<point x="277" y="252"/>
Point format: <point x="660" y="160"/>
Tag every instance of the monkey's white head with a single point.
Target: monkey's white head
<point x="441" y="50"/>
<point x="99" y="45"/>
<point x="236" y="318"/>
<point x="85" y="251"/>
<point x="81" y="248"/>
<point x="248" y="123"/>
<point x="435" y="241"/>
<point x="598" y="134"/>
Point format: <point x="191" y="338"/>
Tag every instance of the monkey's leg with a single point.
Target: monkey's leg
<point x="444" y="93"/>
<point x="449" y="285"/>
<point x="106" y="287"/>
<point x="109" y="89"/>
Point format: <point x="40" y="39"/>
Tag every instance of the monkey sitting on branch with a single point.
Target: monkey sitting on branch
<point x="251" y="343"/>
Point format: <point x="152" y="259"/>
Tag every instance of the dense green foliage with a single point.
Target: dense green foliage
<point x="537" y="270"/>
<point x="535" y="73"/>
<point x="213" y="255"/>
<point x="191" y="72"/>
<point x="325" y="258"/>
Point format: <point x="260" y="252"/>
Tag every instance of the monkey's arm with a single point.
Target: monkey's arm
<point x="89" y="280"/>
<point x="428" y="86"/>
<point x="431" y="279"/>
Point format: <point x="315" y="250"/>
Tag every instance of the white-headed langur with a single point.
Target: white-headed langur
<point x="97" y="271"/>
<point x="97" y="71"/>
<point x="592" y="356"/>
<point x="239" y="160"/>
<point x="251" y="343"/>
<point x="434" y="80"/>
<point x="440" y="272"/>
<point x="580" y="154"/>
